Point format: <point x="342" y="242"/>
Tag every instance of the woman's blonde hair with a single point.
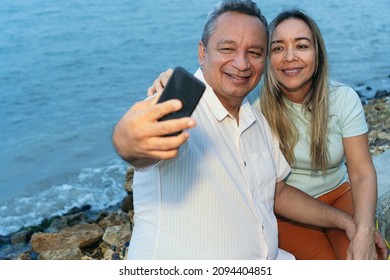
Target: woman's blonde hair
<point x="315" y="106"/>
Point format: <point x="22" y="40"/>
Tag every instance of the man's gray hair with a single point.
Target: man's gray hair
<point x="246" y="7"/>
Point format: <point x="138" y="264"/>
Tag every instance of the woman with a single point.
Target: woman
<point x="323" y="134"/>
<point x="321" y="126"/>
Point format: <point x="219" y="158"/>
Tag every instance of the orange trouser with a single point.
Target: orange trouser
<point x="316" y="243"/>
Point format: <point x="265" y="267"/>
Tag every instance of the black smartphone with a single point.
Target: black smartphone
<point x="184" y="86"/>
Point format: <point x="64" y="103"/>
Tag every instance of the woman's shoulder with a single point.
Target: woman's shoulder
<point x="336" y="86"/>
<point x="342" y="92"/>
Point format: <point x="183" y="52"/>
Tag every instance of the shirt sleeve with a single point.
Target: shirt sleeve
<point x="353" y="116"/>
<point x="282" y="166"/>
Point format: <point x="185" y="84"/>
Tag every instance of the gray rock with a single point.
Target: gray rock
<point x="382" y="166"/>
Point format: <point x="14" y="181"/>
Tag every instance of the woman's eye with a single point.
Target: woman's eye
<point x="277" y="49"/>
<point x="303" y="46"/>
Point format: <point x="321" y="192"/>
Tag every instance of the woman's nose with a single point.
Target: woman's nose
<point x="290" y="55"/>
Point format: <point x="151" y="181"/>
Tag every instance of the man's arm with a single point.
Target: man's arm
<point x="139" y="138"/>
<point x="301" y="207"/>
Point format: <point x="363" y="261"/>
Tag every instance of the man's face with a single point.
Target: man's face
<point x="233" y="61"/>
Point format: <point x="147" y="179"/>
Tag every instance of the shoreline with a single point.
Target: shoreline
<point x="18" y="245"/>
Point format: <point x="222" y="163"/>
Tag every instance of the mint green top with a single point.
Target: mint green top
<point x="347" y="119"/>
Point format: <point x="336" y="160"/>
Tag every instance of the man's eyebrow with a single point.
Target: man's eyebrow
<point x="296" y="39"/>
<point x="221" y="42"/>
<point x="232" y="42"/>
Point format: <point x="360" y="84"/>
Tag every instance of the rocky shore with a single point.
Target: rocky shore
<point x="83" y="234"/>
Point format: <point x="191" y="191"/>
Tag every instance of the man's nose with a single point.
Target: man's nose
<point x="240" y="61"/>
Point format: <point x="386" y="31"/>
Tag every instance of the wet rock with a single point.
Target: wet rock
<point x="117" y="228"/>
<point x="127" y="203"/>
<point x="69" y="253"/>
<point x="115" y="219"/>
<point x="378" y="119"/>
<point x="64" y="245"/>
<point x="4" y="239"/>
<point x="67" y="221"/>
<point x="129" y="180"/>
<point x="117" y="235"/>
<point x="21" y="236"/>
<point x="25" y="256"/>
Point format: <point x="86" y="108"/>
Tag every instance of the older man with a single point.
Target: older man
<point x="211" y="191"/>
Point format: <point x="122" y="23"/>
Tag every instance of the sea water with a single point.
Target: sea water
<point x="70" y="69"/>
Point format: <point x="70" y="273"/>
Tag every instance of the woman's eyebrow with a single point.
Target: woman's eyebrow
<point x="296" y="39"/>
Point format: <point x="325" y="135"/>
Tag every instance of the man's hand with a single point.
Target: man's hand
<point x="139" y="138"/>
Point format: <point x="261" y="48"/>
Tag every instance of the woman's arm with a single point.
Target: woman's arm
<point x="362" y="176"/>
<point x="160" y="82"/>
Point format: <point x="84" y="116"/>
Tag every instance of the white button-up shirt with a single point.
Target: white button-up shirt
<point x="214" y="200"/>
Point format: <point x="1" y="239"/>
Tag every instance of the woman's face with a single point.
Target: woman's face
<point x="293" y="58"/>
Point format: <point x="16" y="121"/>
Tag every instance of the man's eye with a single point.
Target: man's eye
<point x="226" y="50"/>
<point x="255" y="54"/>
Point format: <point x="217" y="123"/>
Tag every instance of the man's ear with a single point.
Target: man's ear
<point x="201" y="53"/>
